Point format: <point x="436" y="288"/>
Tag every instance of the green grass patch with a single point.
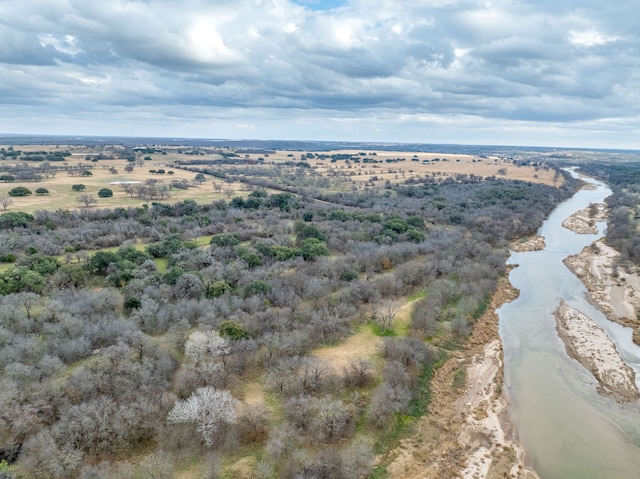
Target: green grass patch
<point x="418" y="407"/>
<point x="378" y="330"/>
<point x="379" y="472"/>
<point x="162" y="264"/>
<point x="482" y="308"/>
<point x="419" y="295"/>
<point x="390" y="438"/>
<point x="203" y="240"/>
<point x="459" y="378"/>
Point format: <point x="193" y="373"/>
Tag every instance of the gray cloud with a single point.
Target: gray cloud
<point x="277" y="67"/>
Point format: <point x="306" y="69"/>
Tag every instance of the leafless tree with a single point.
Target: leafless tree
<point x="208" y="408"/>
<point x="358" y="373"/>
<point x="6" y="201"/>
<point x="205" y="344"/>
<point x="28" y="301"/>
<point x="87" y="200"/>
<point x="229" y="192"/>
<point x="163" y="191"/>
<point x="386" y="312"/>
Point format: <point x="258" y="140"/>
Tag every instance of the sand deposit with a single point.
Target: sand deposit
<point x="584" y="221"/>
<point x="532" y="243"/>
<point x="590" y="345"/>
<point x="611" y="288"/>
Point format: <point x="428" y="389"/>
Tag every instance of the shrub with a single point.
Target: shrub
<point x="312" y="248"/>
<point x="105" y="193"/>
<point x="217" y="289"/>
<point x="19" y="191"/>
<point x="257" y="287"/>
<point x="132" y="303"/>
<point x="42" y="191"/>
<point x="225" y="239"/>
<point x="232" y="330"/>
<point x="15" y="219"/>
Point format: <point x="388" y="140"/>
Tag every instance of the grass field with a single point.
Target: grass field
<point x="359" y="175"/>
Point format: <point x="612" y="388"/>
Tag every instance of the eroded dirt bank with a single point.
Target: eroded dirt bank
<point x="468" y="432"/>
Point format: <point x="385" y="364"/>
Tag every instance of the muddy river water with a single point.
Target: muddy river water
<point x="568" y="429"/>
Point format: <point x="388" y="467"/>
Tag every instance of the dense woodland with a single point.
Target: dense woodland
<point x="623" y="232"/>
<point x="127" y="348"/>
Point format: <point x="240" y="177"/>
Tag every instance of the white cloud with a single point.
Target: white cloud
<point x="66" y="44"/>
<point x="301" y="68"/>
<point x="590" y="38"/>
<point x="204" y="43"/>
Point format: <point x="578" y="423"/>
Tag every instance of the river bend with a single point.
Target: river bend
<point x="567" y="428"/>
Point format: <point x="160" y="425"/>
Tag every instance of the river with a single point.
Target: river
<point x="568" y="430"/>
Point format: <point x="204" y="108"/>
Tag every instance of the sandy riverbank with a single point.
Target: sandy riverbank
<point x="584" y="221"/>
<point x="614" y="290"/>
<point x="467" y="433"/>
<point x="532" y="243"/>
<point x="589" y="344"/>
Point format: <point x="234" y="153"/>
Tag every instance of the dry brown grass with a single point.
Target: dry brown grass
<point x="363" y="344"/>
<point x="61" y="195"/>
<point x="454" y="164"/>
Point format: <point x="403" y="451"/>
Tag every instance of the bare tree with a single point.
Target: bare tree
<point x="87" y="200"/>
<point x="208" y="408"/>
<point x="253" y="424"/>
<point x="6" y="201"/>
<point x="229" y="192"/>
<point x="28" y="300"/>
<point x="205" y="344"/>
<point x="163" y="191"/>
<point x="358" y="373"/>
<point x="386" y="312"/>
<point x="334" y="421"/>
<point x="128" y="188"/>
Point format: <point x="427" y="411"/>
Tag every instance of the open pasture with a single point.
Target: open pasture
<point x="347" y="169"/>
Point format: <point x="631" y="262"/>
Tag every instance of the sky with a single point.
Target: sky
<point x="560" y="73"/>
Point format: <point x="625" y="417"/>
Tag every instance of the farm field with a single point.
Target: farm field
<point x="365" y="170"/>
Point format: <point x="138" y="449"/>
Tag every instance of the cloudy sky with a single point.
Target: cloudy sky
<point x="510" y="72"/>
